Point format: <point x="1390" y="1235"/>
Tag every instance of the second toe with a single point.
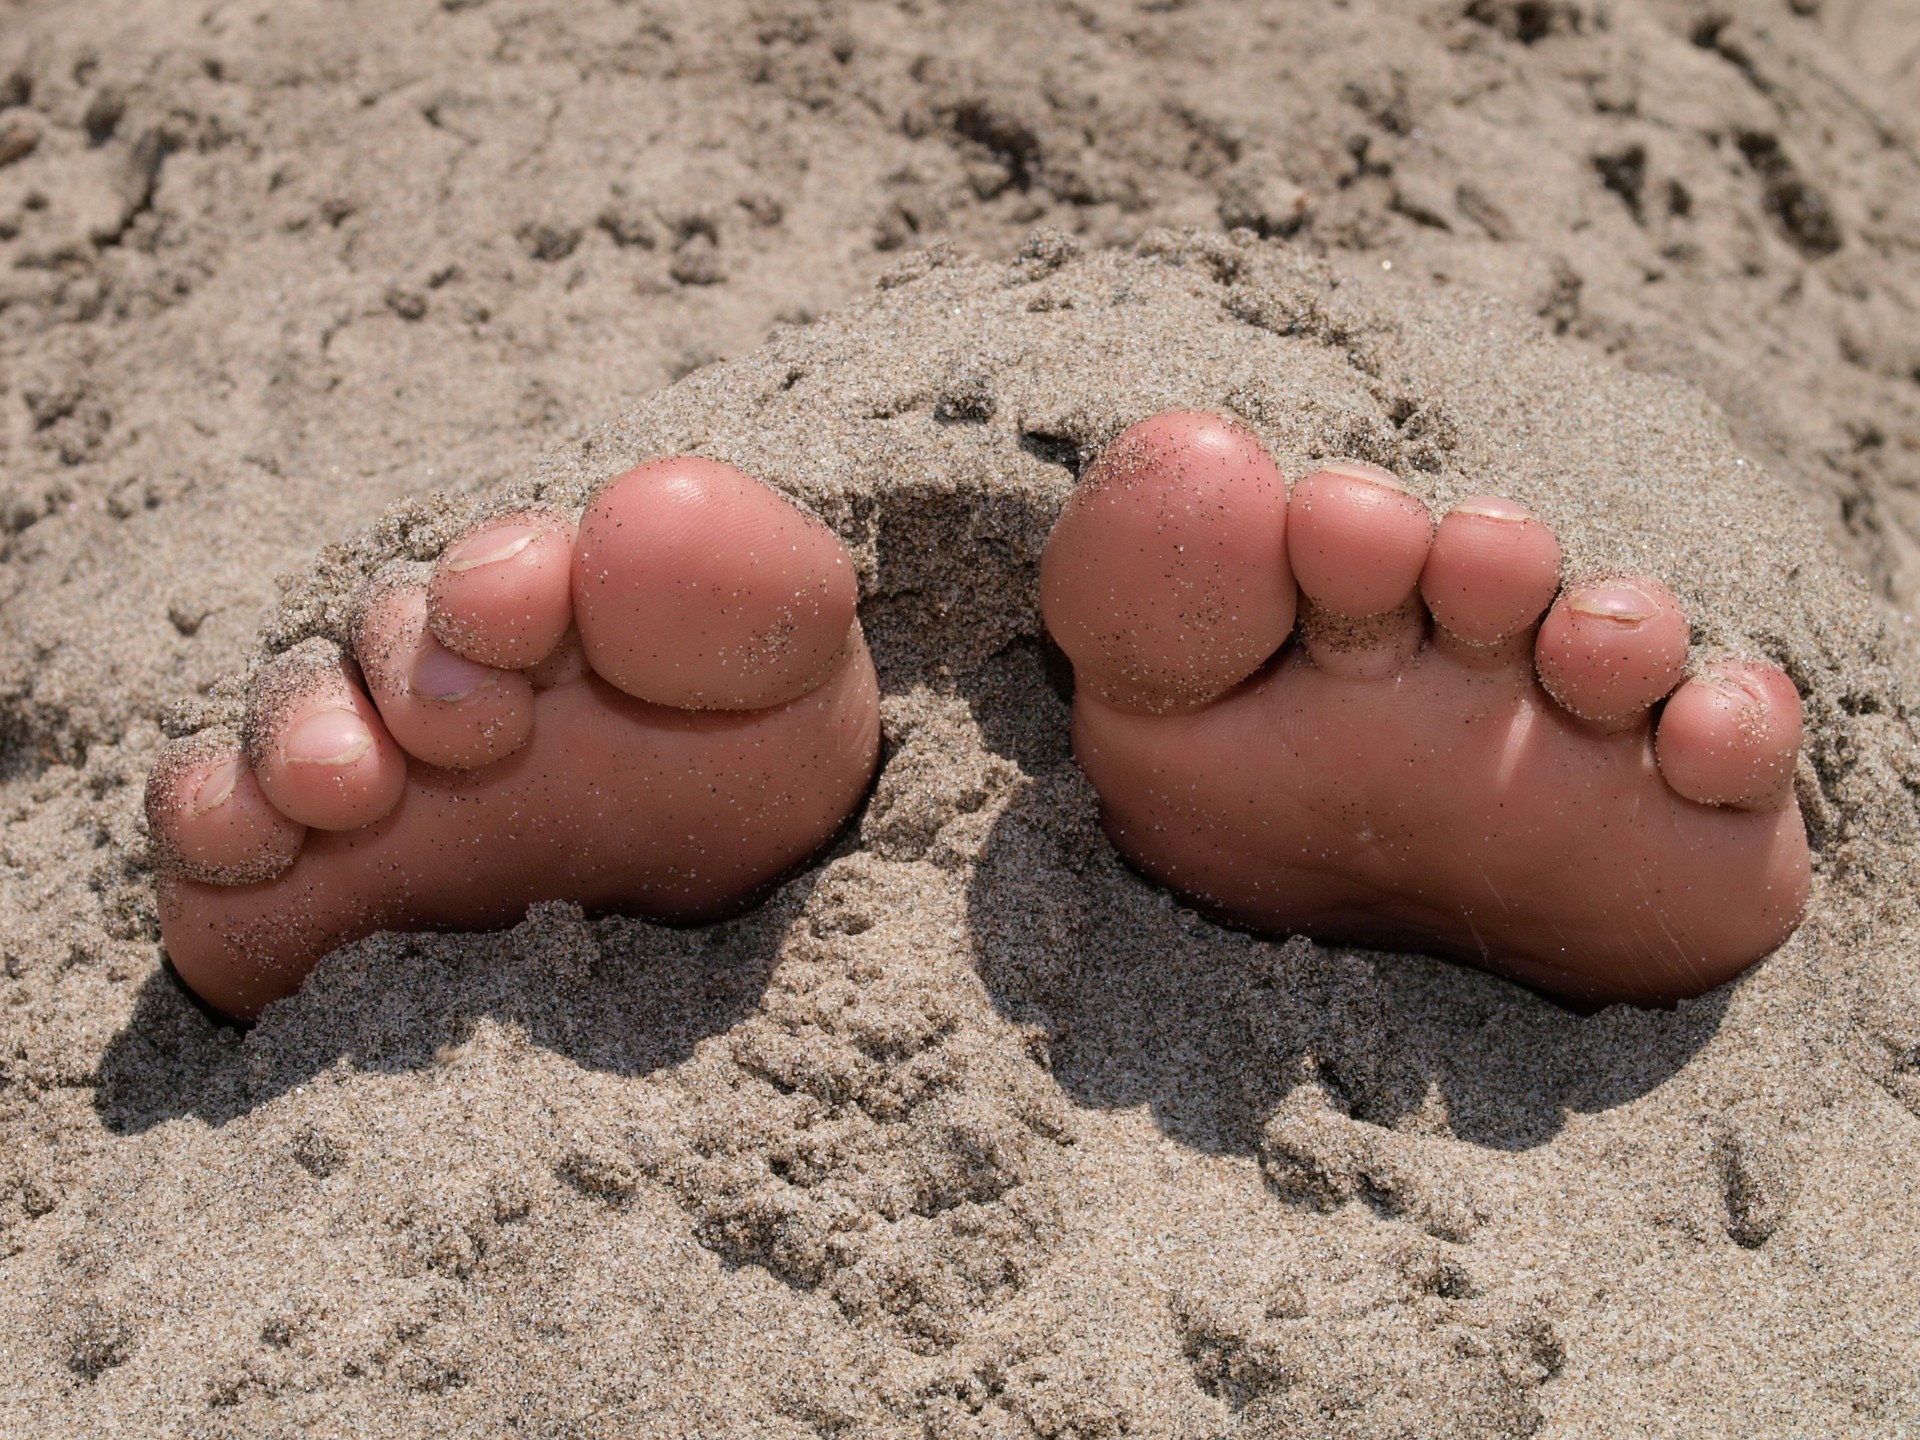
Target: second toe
<point x="1357" y="542"/>
<point x="501" y="594"/>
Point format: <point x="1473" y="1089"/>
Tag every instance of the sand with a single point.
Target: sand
<point x="969" y="1131"/>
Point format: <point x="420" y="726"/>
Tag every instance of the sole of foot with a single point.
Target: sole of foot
<point x="1321" y="713"/>
<point x="659" y="712"/>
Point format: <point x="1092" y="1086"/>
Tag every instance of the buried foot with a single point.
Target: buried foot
<point x="1453" y="755"/>
<point x="660" y="714"/>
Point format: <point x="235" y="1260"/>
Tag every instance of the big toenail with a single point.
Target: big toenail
<point x="216" y="788"/>
<point x="1367" y="474"/>
<point x="1621" y="604"/>
<point x="439" y="674"/>
<point x="1493" y="507"/>
<point x="490" y="548"/>
<point x="327" y="737"/>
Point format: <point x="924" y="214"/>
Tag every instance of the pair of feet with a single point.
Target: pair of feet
<point x="1315" y="714"/>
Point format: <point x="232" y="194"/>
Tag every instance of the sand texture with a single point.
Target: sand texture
<point x="969" y="1131"/>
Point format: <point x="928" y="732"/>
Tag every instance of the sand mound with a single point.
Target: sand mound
<point x="969" y="1131"/>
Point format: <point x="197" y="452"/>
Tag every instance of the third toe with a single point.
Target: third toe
<point x="440" y="707"/>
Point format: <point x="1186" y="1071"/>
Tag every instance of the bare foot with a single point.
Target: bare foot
<point x="1429" y="765"/>
<point x="661" y="714"/>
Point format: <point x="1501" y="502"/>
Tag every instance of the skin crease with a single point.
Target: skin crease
<point x="1385" y="781"/>
<point x="492" y="789"/>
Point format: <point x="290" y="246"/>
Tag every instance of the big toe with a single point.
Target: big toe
<point x="1609" y="649"/>
<point x="696" y="586"/>
<point x="1165" y="579"/>
<point x="1729" y="737"/>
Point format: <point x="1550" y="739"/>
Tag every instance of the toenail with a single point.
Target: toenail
<point x="1621" y="604"/>
<point x="439" y="674"/>
<point x="491" y="547"/>
<point x="216" y="788"/>
<point x="1493" y="507"/>
<point x="327" y="737"/>
<point x="1367" y="474"/>
<point x="1741" y="692"/>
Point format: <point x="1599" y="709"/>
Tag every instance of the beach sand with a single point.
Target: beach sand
<point x="969" y="1131"/>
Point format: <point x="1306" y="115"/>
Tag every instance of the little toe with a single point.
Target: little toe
<point x="1358" y="542"/>
<point x="1165" y="578"/>
<point x="1730" y="735"/>
<point x="696" y="586"/>
<point x="318" y="746"/>
<point x="439" y="707"/>
<point x="502" y="595"/>
<point x="1609" y="649"/>
<point x="1490" y="575"/>
<point x="209" y="818"/>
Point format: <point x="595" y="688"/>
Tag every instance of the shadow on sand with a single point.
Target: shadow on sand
<point x="1239" y="1044"/>
<point x="1320" y="1061"/>
<point x="622" y="996"/>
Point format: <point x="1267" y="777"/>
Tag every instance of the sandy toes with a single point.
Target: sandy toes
<point x="661" y="714"/>
<point x="1453" y="754"/>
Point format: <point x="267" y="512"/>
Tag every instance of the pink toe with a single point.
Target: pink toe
<point x="321" y="753"/>
<point x="502" y="596"/>
<point x="1492" y="571"/>
<point x="1609" y="649"/>
<point x="1356" y="539"/>
<point x="211" y="821"/>
<point x="1730" y="735"/>
<point x="440" y="707"/>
